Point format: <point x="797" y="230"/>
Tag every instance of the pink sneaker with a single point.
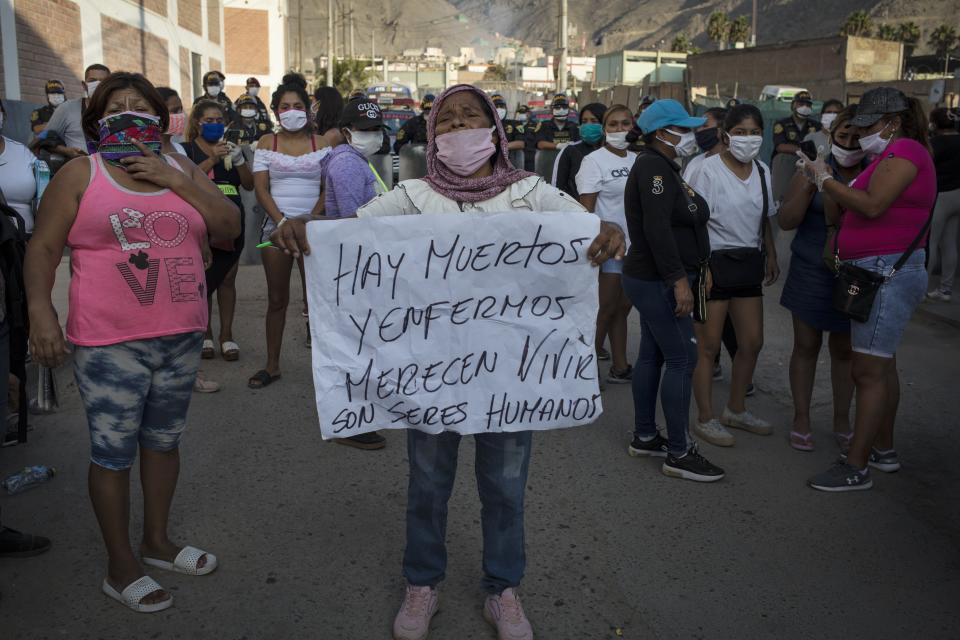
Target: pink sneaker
<point x="505" y="613"/>
<point x="413" y="619"/>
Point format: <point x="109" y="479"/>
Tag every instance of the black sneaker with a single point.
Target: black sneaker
<point x="888" y="461"/>
<point x="620" y="377"/>
<point x="691" y="466"/>
<point x="656" y="448"/>
<point x="14" y="544"/>
<point x="603" y="354"/>
<point x="368" y="441"/>
<point x="750" y="390"/>
<point x="717" y="371"/>
<point x="841" y="477"/>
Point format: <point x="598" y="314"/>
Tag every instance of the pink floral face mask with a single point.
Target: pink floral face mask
<point x="465" y="151"/>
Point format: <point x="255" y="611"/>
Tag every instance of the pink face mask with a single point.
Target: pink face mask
<point x="178" y="122"/>
<point x="465" y="151"/>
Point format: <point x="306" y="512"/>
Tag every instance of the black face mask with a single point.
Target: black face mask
<point x="707" y="139"/>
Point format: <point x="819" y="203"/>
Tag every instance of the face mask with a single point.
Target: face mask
<point x="846" y="157"/>
<point x="213" y="90"/>
<point x="875" y="143"/>
<point x="211" y="131"/>
<point x="687" y="145"/>
<point x="804" y="111"/>
<point x="561" y="113"/>
<point x="248" y="113"/>
<point x="745" y="148"/>
<point x="178" y="122"/>
<point x="293" y="119"/>
<point x="827" y="120"/>
<point x="91" y="87"/>
<point x="707" y="139"/>
<point x="591" y="133"/>
<point x="117" y="130"/>
<point x="366" y="142"/>
<point x="618" y="140"/>
<point x="55" y="99"/>
<point x="253" y="91"/>
<point x="465" y="151"/>
<point x="502" y="113"/>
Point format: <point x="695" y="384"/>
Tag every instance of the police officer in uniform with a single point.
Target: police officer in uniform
<point x="247" y="122"/>
<point x="414" y="130"/>
<point x="55" y="97"/>
<point x="790" y="131"/>
<point x="261" y="121"/>
<point x="213" y="85"/>
<point x="559" y="132"/>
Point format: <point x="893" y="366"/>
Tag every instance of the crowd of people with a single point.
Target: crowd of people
<point x="149" y="203"/>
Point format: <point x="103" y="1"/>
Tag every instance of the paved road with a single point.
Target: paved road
<point x="310" y="534"/>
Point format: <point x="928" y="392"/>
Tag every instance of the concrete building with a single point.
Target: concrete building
<point x="255" y="35"/>
<point x="634" y="67"/>
<point x="825" y="66"/>
<point x="172" y="42"/>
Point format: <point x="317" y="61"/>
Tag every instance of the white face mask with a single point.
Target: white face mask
<point x="804" y="111"/>
<point x="253" y="91"/>
<point x="846" y="157"/>
<point x="875" y="143"/>
<point x="91" y="87"/>
<point x="827" y="120"/>
<point x="366" y="142"/>
<point x="55" y="99"/>
<point x="561" y="113"/>
<point x="502" y="113"/>
<point x="617" y="140"/>
<point x="213" y="90"/>
<point x="293" y="119"/>
<point x="686" y="147"/>
<point x="745" y="148"/>
<point x="248" y="113"/>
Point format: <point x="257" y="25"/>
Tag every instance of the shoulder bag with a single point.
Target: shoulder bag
<point x="745" y="266"/>
<point x="700" y="285"/>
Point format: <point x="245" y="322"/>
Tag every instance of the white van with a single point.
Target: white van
<point x="779" y="93"/>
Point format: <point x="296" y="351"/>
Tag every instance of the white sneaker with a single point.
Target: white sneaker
<point x="418" y="608"/>
<point x="714" y="433"/>
<point x="939" y="296"/>
<point x="746" y="421"/>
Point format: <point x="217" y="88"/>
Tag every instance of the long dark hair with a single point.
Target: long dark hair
<point x="329" y="108"/>
<point x="739" y="113"/>
<point x="292" y="83"/>
<point x="193" y="124"/>
<point x="913" y="122"/>
<point x="97" y="103"/>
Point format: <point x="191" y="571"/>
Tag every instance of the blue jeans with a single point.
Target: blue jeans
<point x="502" y="462"/>
<point x="665" y="340"/>
<point x="895" y="303"/>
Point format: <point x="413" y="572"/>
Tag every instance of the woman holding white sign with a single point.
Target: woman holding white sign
<point x="468" y="169"/>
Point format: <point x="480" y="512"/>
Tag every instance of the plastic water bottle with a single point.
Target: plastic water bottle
<point x="42" y="175"/>
<point x="29" y="477"/>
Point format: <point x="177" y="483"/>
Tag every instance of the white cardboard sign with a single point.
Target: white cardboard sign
<point x="471" y="323"/>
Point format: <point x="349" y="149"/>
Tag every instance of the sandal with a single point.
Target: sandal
<point x="801" y="441"/>
<point x="136" y="591"/>
<point x="186" y="562"/>
<point x="230" y="351"/>
<point x="262" y="379"/>
<point x="207" y="352"/>
<point x="202" y="385"/>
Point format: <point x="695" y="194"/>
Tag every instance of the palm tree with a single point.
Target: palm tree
<point x="740" y="29"/>
<point x="909" y="36"/>
<point x="718" y="28"/>
<point x="680" y="44"/>
<point x="943" y="40"/>
<point x="857" y="24"/>
<point x="888" y="32"/>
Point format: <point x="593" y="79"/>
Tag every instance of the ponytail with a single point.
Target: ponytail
<point x="913" y="122"/>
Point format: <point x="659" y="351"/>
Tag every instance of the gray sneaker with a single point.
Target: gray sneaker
<point x="887" y="461"/>
<point x="841" y="477"/>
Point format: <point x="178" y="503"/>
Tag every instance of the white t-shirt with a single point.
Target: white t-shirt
<point x="605" y="173"/>
<point x="17" y="180"/>
<point x="693" y="167"/>
<point x="735" y="205"/>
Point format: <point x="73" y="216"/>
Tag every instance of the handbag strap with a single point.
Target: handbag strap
<point x="692" y="208"/>
<point x="766" y="201"/>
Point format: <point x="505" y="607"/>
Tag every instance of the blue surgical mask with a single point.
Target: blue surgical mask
<point x="211" y="131"/>
<point x="591" y="132"/>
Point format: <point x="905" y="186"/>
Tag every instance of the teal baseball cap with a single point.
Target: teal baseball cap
<point x="667" y="113"/>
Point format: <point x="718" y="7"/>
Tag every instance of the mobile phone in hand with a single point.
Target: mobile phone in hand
<point x="809" y="149"/>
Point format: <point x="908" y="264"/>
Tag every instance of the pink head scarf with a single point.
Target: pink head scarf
<point x="449" y="184"/>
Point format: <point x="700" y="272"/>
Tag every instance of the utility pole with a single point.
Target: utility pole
<point x="753" y="27"/>
<point x="331" y="43"/>
<point x="562" y="67"/>
<point x="373" y="47"/>
<point x="352" y="50"/>
<point x="300" y="36"/>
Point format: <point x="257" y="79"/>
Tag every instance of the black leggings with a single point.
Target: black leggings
<point x="220" y="266"/>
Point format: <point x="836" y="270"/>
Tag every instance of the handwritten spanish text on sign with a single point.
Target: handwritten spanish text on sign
<point x="472" y="323"/>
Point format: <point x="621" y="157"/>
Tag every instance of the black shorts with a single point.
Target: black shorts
<point x="718" y="293"/>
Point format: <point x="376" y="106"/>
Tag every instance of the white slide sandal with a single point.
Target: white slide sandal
<point x="135" y="592"/>
<point x="186" y="562"/>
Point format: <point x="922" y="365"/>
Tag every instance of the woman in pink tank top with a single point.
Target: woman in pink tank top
<point x="134" y="221"/>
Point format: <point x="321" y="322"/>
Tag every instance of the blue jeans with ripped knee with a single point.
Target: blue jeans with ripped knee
<point x="502" y="463"/>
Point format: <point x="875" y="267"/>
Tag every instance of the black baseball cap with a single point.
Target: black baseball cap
<point x="427" y="102"/>
<point x="361" y="114"/>
<point x="54" y="86"/>
<point x="877" y="103"/>
<point x="498" y="100"/>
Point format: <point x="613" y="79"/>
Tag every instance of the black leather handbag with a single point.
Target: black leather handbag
<point x="700" y="284"/>
<point x="746" y="266"/>
<point x="855" y="289"/>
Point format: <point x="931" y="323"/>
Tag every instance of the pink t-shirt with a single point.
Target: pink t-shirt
<point x="135" y="262"/>
<point x="892" y="232"/>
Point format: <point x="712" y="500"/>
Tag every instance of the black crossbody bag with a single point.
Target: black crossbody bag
<point x="855" y="289"/>
<point x="700" y="286"/>
<point x="746" y="266"/>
